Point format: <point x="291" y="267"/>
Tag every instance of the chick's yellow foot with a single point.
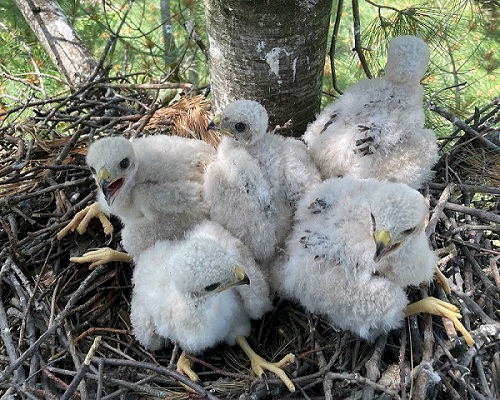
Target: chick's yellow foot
<point x="184" y="368"/>
<point x="102" y="256"/>
<point x="259" y="365"/>
<point x="442" y="280"/>
<point x="81" y="220"/>
<point x="440" y="308"/>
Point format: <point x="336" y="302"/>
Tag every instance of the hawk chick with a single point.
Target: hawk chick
<point x="376" y="128"/>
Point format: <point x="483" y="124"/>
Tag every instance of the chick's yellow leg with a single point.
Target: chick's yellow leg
<point x="442" y="280"/>
<point x="440" y="308"/>
<point x="184" y="367"/>
<point x="259" y="365"/>
<point x="81" y="220"/>
<point x="102" y="256"/>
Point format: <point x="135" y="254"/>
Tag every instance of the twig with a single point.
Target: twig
<point x="484" y="215"/>
<point x="5" y="329"/>
<point x="14" y="365"/>
<point x="373" y="366"/>
<point x="160" y="370"/>
<point x="493" y="264"/>
<point x="466" y="128"/>
<point x="82" y="371"/>
<point x="466" y="188"/>
<point x="333" y="44"/>
<point x="438" y="209"/>
<point x="358" y="48"/>
<point x="489" y="287"/>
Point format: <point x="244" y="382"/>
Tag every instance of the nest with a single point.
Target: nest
<point x="66" y="331"/>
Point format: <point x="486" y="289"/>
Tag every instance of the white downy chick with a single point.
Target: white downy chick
<point x="254" y="185"/>
<point x="154" y="185"/>
<point x="375" y="129"/>
<point x="199" y="292"/>
<point x="355" y="246"/>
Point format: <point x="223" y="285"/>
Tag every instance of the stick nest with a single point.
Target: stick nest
<point x="66" y="330"/>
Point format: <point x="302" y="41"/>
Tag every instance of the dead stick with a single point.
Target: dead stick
<point x="467" y="188"/>
<point x="482" y="375"/>
<point x="373" y="366"/>
<point x="438" y="209"/>
<point x="493" y="264"/>
<point x="4" y="326"/>
<point x="81" y="372"/>
<point x="7" y="372"/>
<point x="160" y="370"/>
<point x="486" y="215"/>
<point x="466" y="128"/>
<point x="489" y="286"/>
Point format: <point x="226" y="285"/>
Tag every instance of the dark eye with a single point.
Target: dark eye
<point x="212" y="287"/>
<point x="240" y="126"/>
<point x="92" y="170"/>
<point x="124" y="163"/>
<point x="409" y="231"/>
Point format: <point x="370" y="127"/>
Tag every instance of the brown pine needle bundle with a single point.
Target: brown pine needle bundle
<point x="188" y="117"/>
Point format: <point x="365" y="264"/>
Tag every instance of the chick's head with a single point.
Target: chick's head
<point x="201" y="268"/>
<point x="397" y="214"/>
<point x="243" y="120"/>
<point x="113" y="165"/>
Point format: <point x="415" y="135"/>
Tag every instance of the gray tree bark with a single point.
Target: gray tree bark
<point x="166" y="28"/>
<point x="269" y="51"/>
<point x="65" y="48"/>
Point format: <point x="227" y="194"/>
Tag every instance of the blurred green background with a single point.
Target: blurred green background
<point x="462" y="36"/>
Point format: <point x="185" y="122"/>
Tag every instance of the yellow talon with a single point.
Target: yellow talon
<point x="259" y="365"/>
<point x="440" y="308"/>
<point x="442" y="280"/>
<point x="184" y="367"/>
<point x="81" y="220"/>
<point x="102" y="256"/>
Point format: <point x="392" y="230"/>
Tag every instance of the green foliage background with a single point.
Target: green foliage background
<point x="462" y="35"/>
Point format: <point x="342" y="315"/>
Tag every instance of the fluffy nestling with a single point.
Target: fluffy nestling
<point x="199" y="292"/>
<point x="254" y="185"/>
<point x="153" y="184"/>
<point x="355" y="246"/>
<point x="376" y="128"/>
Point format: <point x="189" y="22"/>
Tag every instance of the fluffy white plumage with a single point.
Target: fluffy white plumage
<point x="153" y="184"/>
<point x="355" y="245"/>
<point x="254" y="185"/>
<point x="376" y="128"/>
<point x="170" y="296"/>
<point x="181" y="293"/>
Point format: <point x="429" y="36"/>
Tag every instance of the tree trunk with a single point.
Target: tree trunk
<point x="67" y="51"/>
<point x="269" y="51"/>
<point x="168" y="37"/>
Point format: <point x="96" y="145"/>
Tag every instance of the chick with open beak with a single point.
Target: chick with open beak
<point x="356" y="245"/>
<point x="384" y="244"/>
<point x="153" y="184"/>
<point x="111" y="183"/>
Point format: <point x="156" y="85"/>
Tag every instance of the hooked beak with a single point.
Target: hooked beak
<point x="240" y="278"/>
<point x="215" y="125"/>
<point x="109" y="186"/>
<point x="383" y="244"/>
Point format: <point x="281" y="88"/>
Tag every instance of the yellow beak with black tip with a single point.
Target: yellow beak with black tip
<point x="383" y="244"/>
<point x="239" y="278"/>
<point x="109" y="185"/>
<point x="215" y="125"/>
